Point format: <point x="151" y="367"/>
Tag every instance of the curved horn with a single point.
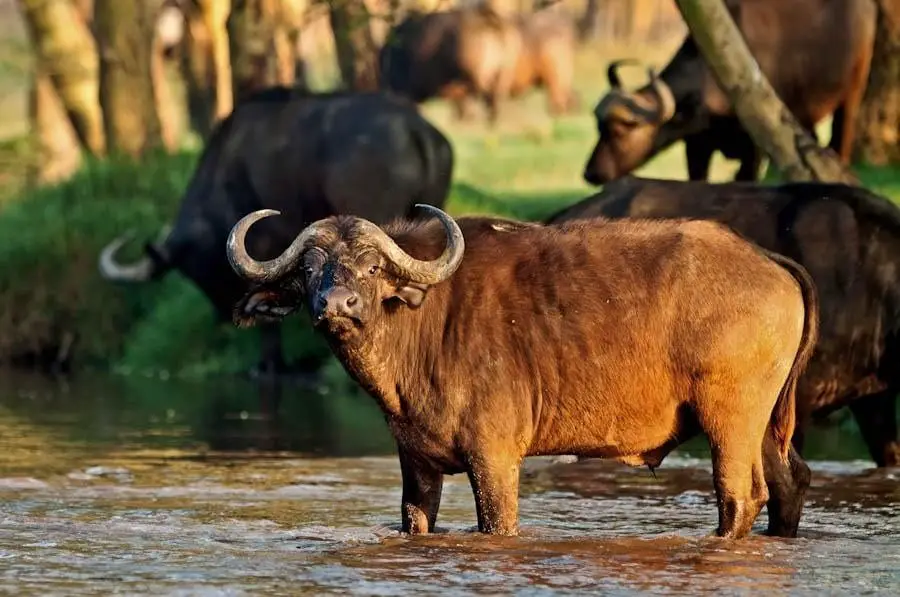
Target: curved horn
<point x="625" y="107"/>
<point x="140" y="271"/>
<point x="612" y="71"/>
<point x="423" y="272"/>
<point x="263" y="271"/>
<point x="664" y="96"/>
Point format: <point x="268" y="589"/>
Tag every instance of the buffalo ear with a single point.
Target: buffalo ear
<point x="411" y="293"/>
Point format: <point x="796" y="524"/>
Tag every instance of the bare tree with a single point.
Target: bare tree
<point x="356" y="51"/>
<point x="878" y="126"/>
<point x="66" y="54"/>
<point x="771" y="125"/>
<point x="125" y="31"/>
<point x="58" y="153"/>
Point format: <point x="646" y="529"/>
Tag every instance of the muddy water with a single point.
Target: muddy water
<point x="110" y="486"/>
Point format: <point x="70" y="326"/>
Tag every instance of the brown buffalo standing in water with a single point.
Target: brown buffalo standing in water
<point x="486" y="341"/>
<point x="474" y="52"/>
<point x="815" y="53"/>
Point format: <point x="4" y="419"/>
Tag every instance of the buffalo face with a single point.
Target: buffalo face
<point x="628" y="125"/>
<point x="345" y="270"/>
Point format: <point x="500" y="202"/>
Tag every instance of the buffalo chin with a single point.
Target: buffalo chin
<point x="339" y="326"/>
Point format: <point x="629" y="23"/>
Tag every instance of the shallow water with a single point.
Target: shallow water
<point x="110" y="486"/>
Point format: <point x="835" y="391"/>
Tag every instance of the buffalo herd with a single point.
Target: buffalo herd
<point x="619" y="327"/>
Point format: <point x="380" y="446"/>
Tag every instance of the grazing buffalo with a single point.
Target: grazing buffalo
<point x="474" y="52"/>
<point x="849" y="241"/>
<point x="308" y="155"/>
<point x="815" y="53"/>
<point x="486" y="341"/>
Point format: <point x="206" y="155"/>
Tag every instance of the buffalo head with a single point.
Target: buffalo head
<point x="628" y="124"/>
<point x="345" y="269"/>
<point x="187" y="251"/>
<point x="156" y="261"/>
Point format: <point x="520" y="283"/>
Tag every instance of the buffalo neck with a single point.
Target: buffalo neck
<point x="398" y="349"/>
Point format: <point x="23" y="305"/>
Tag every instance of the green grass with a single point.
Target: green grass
<point x="49" y="282"/>
<point x="528" y="167"/>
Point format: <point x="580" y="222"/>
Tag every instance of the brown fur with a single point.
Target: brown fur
<point x="473" y="52"/>
<point x="616" y="339"/>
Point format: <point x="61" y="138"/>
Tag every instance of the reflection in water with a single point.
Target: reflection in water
<point x="162" y="487"/>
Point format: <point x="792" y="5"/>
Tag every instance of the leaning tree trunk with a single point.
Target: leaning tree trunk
<point x="356" y="52"/>
<point x="66" y="53"/>
<point x="878" y="127"/>
<point x="262" y="52"/>
<point x="125" y="31"/>
<point x="771" y="125"/>
<point x="58" y="150"/>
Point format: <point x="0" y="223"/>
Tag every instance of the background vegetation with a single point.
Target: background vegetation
<point x="52" y="229"/>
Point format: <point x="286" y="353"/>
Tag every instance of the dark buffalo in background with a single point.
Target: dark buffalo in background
<point x="848" y="239"/>
<point x="307" y="155"/>
<point x="473" y="52"/>
<point x="815" y="53"/>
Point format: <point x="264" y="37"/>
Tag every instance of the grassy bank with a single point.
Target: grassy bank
<point x="50" y="289"/>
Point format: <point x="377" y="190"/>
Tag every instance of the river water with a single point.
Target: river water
<point x="142" y="487"/>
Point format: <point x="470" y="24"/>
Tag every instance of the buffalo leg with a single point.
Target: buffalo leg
<point x="495" y="485"/>
<point x="461" y="108"/>
<point x="876" y="417"/>
<point x="699" y="154"/>
<point x="422" y="487"/>
<point x="787" y="483"/>
<point x="843" y="123"/>
<point x="272" y="362"/>
<point x="749" y="170"/>
<point x="492" y="103"/>
<point x="739" y="478"/>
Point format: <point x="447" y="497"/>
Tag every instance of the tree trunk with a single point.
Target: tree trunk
<point x="878" y="127"/>
<point x="771" y="125"/>
<point x="168" y="34"/>
<point x="125" y="32"/>
<point x="262" y="54"/>
<point x="58" y="153"/>
<point x="589" y="23"/>
<point x="66" y="52"/>
<point x="206" y="64"/>
<point x="356" y="52"/>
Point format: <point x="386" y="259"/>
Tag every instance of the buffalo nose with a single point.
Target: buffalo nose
<point x="337" y="302"/>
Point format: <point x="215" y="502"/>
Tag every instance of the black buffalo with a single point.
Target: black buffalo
<point x="848" y="239"/>
<point x="815" y="53"/>
<point x="307" y="155"/>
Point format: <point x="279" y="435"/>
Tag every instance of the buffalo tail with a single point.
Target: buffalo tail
<point x="784" y="415"/>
